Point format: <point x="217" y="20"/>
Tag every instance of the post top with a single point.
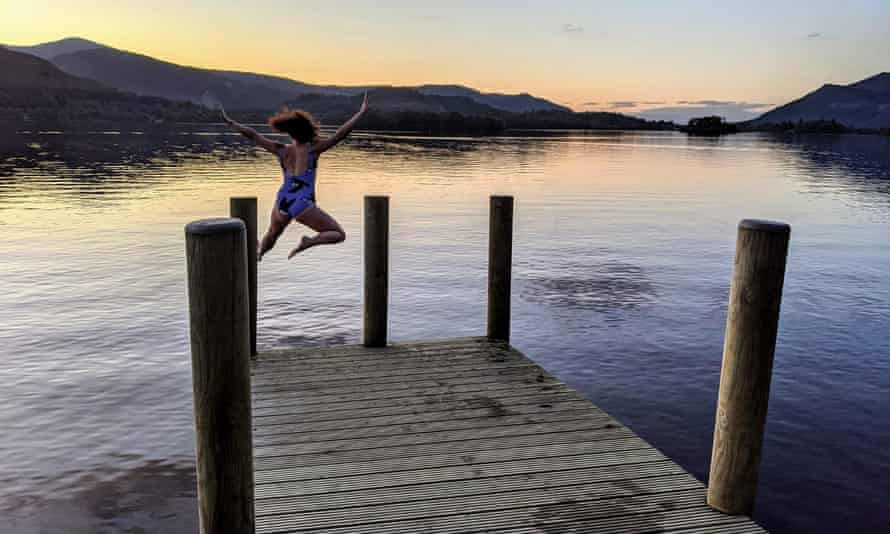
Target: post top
<point x="765" y="226"/>
<point x="242" y="198"/>
<point x="216" y="225"/>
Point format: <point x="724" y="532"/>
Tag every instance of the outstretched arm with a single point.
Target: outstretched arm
<point x="324" y="144"/>
<point x="253" y="135"/>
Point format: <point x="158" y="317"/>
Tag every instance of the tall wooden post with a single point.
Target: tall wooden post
<point x="748" y="349"/>
<point x="220" y="341"/>
<point x="244" y="208"/>
<point x="500" y="254"/>
<point x="376" y="270"/>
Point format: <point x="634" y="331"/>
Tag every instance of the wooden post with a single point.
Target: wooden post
<point x="500" y="254"/>
<point x="749" y="345"/>
<point x="220" y="341"/>
<point x="244" y="208"/>
<point x="376" y="270"/>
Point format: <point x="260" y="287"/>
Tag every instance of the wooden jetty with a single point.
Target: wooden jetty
<point x="453" y="436"/>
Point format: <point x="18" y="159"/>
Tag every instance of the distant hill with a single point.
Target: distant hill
<point x="879" y="83"/>
<point x="55" y="48"/>
<point x="388" y="100"/>
<point x="87" y="81"/>
<point x="514" y="103"/>
<point x="861" y="105"/>
<point x="33" y="89"/>
<point x="144" y="75"/>
<point x="25" y="71"/>
<point x="395" y="108"/>
<point x="590" y="120"/>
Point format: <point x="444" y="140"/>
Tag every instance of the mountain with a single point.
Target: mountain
<point x="514" y="103"/>
<point x="861" y="105"/>
<point x="55" y="48"/>
<point x="144" y="75"/>
<point x="33" y="89"/>
<point x="28" y="72"/>
<point x="879" y="83"/>
<point x="87" y="81"/>
<point x="388" y="100"/>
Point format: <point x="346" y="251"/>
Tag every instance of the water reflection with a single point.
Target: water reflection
<point x="631" y="231"/>
<point x="152" y="497"/>
<point x="860" y="164"/>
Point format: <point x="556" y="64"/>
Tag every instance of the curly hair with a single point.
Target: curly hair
<point x="298" y="124"/>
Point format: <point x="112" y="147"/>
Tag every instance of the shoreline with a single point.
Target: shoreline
<point x="117" y="128"/>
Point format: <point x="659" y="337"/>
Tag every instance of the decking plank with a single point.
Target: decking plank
<point x="513" y="436"/>
<point x="336" y="430"/>
<point x="677" y="521"/>
<point x="659" y="489"/>
<point x="444" y="460"/>
<point x="510" y="394"/>
<point x="346" y="372"/>
<point x="360" y="351"/>
<point x="390" y="359"/>
<point x="391" y="491"/>
<point x="506" y="374"/>
<point x="453" y="436"/>
<point x="286" y="457"/>
<point x="471" y="475"/>
<point x="402" y="389"/>
<point x="419" y="414"/>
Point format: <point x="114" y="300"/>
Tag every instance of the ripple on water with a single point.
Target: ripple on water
<point x="96" y="419"/>
<point x="153" y="496"/>
<point x="602" y="285"/>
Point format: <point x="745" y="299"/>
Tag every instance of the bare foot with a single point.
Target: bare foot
<point x="305" y="243"/>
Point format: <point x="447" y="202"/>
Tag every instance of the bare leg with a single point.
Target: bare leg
<point x="329" y="230"/>
<point x="277" y="224"/>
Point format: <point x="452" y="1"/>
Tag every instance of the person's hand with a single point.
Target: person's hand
<point x="364" y="107"/>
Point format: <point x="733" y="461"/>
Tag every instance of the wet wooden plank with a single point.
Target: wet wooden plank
<point x="538" y="482"/>
<point x="338" y="403"/>
<point x="404" y="389"/>
<point x="453" y="436"/>
<point x="479" y="478"/>
<point x="337" y="430"/>
<point x="484" y="408"/>
<point x="446" y="460"/>
<point x="440" y="375"/>
<point x="436" y="442"/>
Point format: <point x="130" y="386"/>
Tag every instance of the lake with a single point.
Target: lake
<point x="623" y="252"/>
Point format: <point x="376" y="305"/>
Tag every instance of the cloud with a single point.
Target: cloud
<point x="626" y="104"/>
<point x="571" y="28"/>
<point x="732" y="110"/>
<point x="682" y="110"/>
<point x="706" y="102"/>
<point x="623" y="104"/>
<point x="723" y="103"/>
<point x="814" y="35"/>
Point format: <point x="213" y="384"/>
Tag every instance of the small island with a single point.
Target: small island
<point x="711" y="126"/>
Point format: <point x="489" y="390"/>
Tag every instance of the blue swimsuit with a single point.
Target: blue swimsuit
<point x="297" y="193"/>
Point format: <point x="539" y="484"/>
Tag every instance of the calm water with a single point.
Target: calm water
<point x="622" y="261"/>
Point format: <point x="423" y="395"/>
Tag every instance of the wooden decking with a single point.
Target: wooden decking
<point x="456" y="436"/>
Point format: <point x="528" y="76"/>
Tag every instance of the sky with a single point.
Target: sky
<point x="659" y="59"/>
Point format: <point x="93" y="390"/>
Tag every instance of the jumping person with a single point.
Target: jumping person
<point x="299" y="163"/>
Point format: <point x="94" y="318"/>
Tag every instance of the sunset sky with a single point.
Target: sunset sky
<point x="623" y="56"/>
